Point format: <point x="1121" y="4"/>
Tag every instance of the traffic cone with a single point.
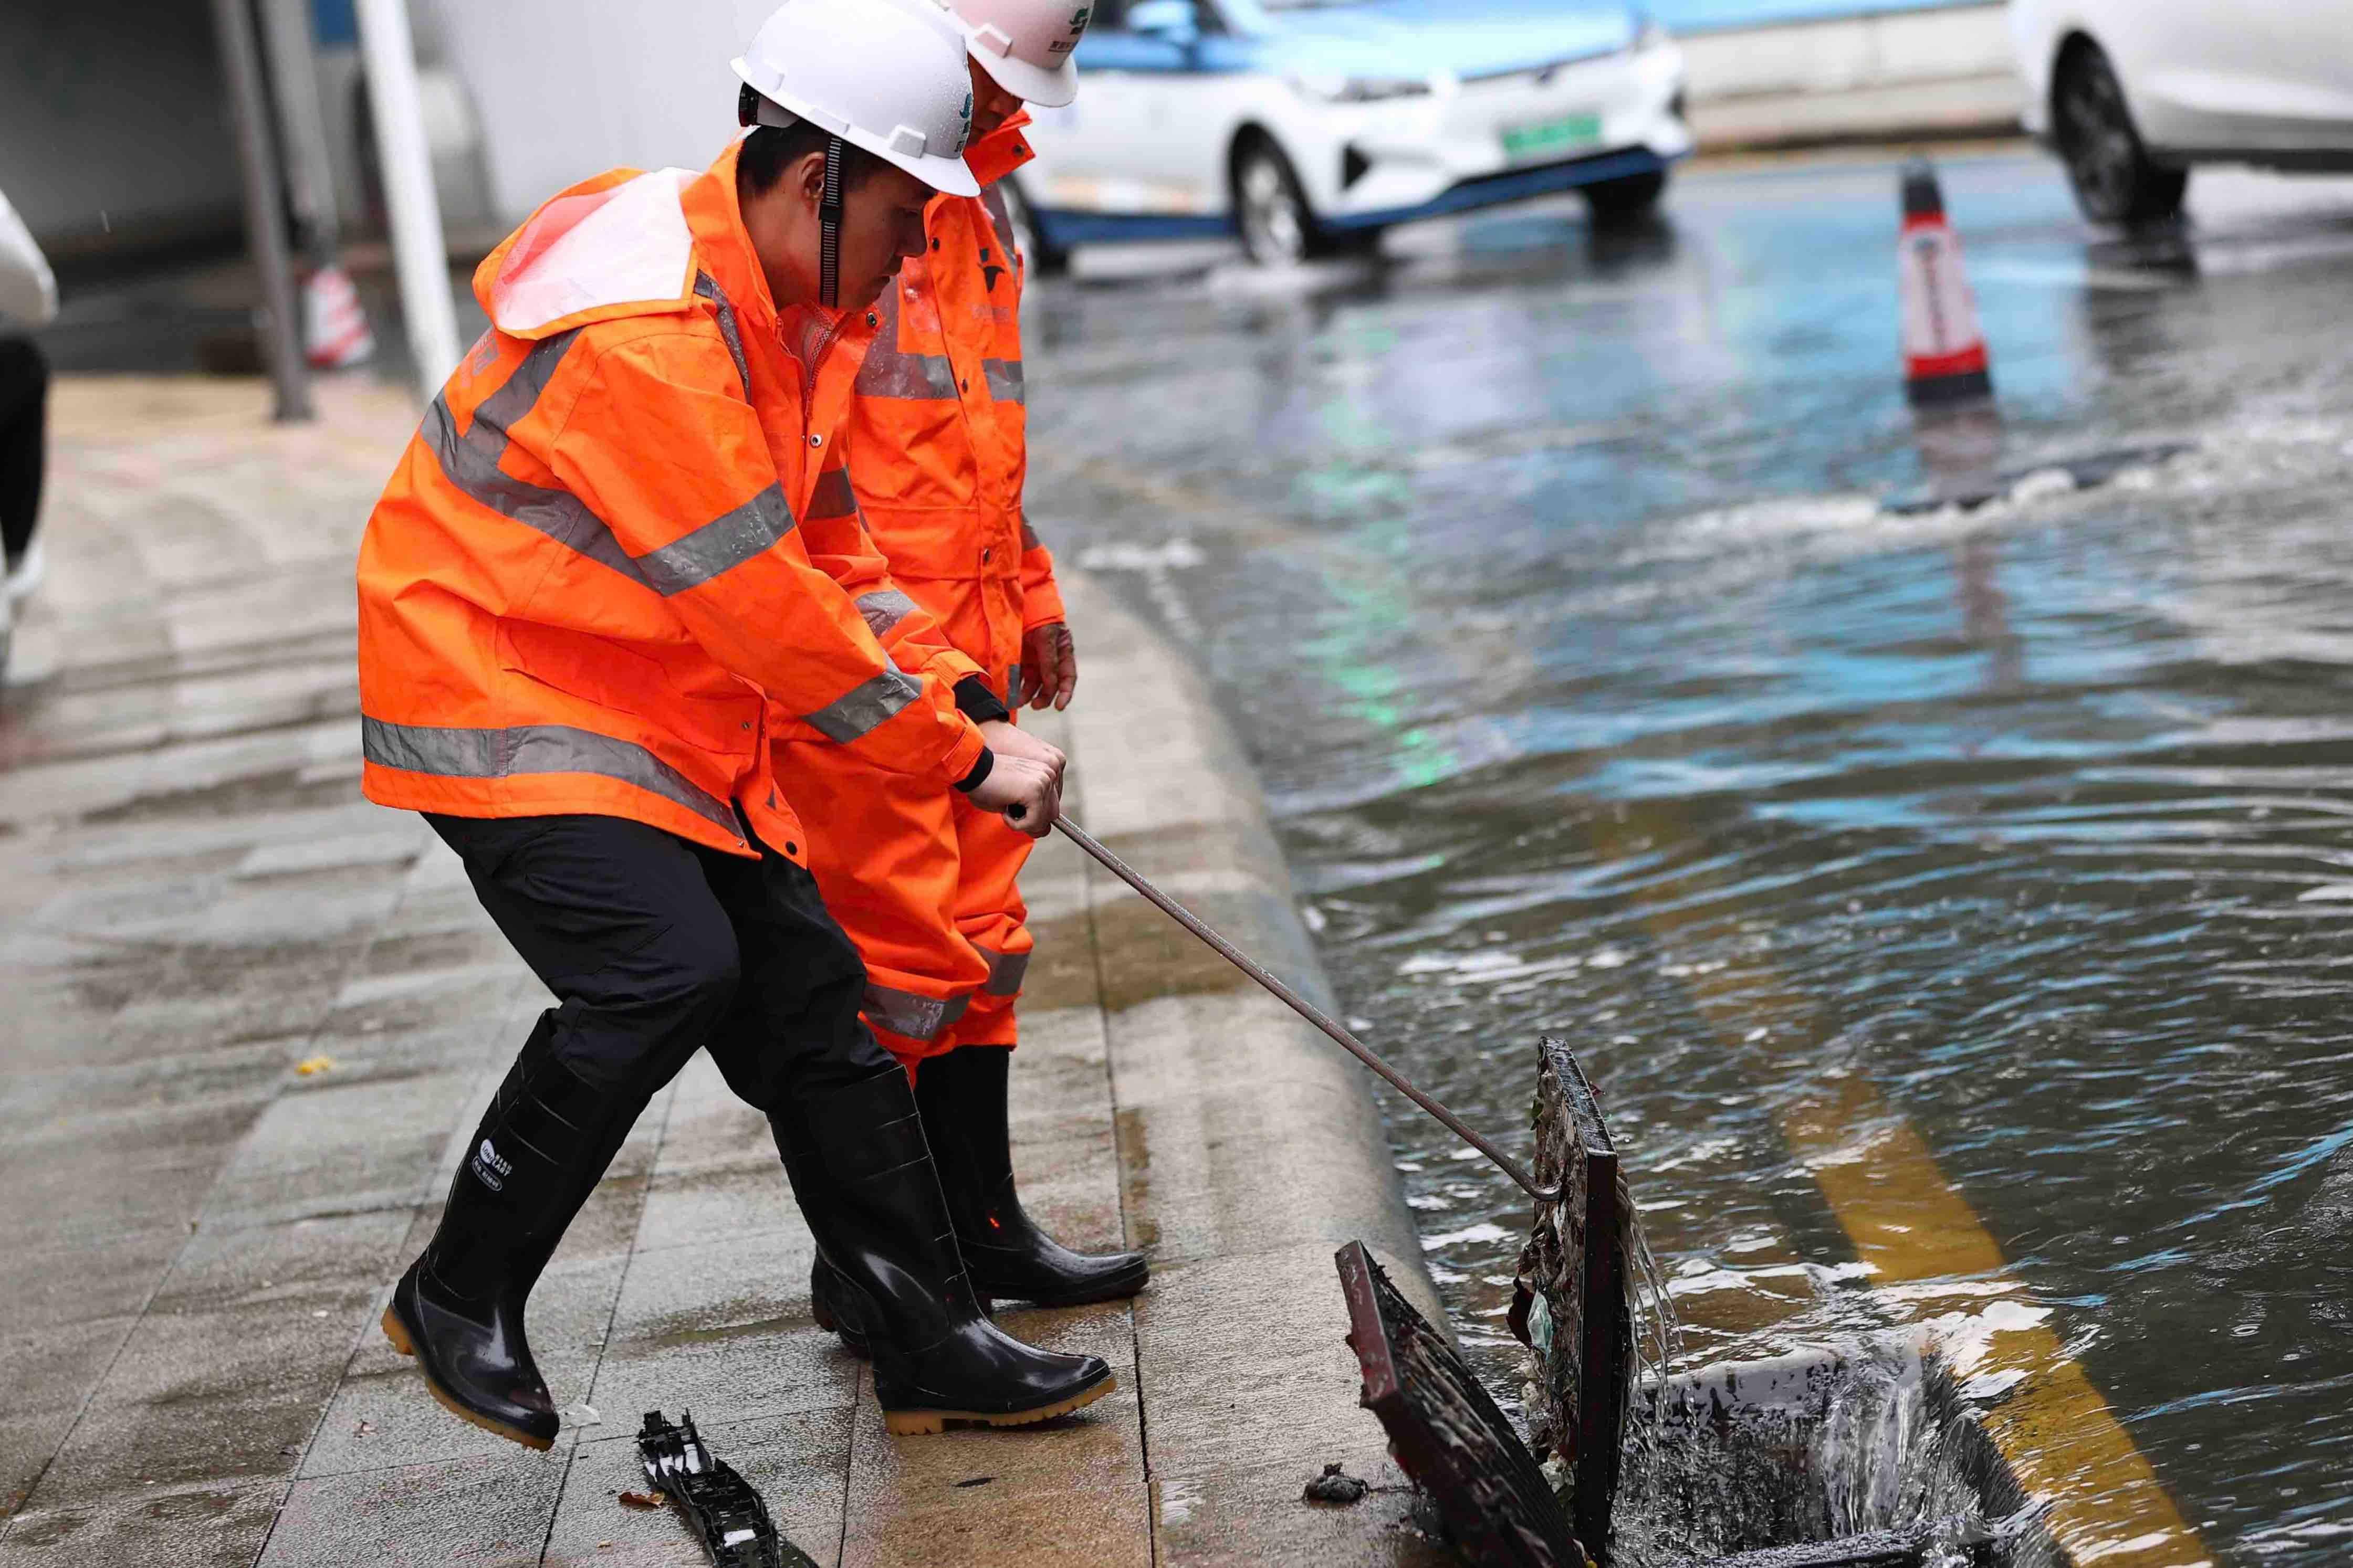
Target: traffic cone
<point x="1944" y="347"/>
<point x="334" y="326"/>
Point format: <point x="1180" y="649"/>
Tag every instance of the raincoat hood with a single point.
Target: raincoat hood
<point x="618" y="244"/>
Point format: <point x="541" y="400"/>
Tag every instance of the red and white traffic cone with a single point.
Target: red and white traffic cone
<point x="334" y="326"/>
<point x="1944" y="347"/>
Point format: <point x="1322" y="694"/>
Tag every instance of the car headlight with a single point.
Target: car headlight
<point x="1361" y="89"/>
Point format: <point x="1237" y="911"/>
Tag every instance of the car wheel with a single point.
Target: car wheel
<point x="1625" y="200"/>
<point x="1278" y="226"/>
<point x="2115" y="181"/>
<point x="1045" y="259"/>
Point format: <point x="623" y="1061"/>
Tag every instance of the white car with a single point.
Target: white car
<point x="2132" y="93"/>
<point x="1312" y="125"/>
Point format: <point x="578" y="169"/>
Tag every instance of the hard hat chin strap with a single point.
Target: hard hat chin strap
<point x="829" y="214"/>
<point x="754" y="109"/>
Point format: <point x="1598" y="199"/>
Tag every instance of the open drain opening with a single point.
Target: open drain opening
<point x="1857" y="1455"/>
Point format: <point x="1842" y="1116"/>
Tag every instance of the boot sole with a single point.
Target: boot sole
<point x="397" y="1333"/>
<point x="929" y="1423"/>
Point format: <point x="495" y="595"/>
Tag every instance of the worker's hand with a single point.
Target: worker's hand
<point x="1025" y="791"/>
<point x="1050" y="666"/>
<point x="1007" y="739"/>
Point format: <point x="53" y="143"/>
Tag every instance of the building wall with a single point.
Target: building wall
<point x="567" y="89"/>
<point x="114" y="128"/>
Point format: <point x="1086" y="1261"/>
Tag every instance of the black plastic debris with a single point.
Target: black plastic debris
<point x="727" y="1516"/>
<point x="1447" y="1432"/>
<point x="1335" y="1485"/>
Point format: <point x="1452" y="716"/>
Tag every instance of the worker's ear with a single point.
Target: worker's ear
<point x="808" y="178"/>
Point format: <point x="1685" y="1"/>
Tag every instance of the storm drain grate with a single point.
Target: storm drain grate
<point x="1447" y="1432"/>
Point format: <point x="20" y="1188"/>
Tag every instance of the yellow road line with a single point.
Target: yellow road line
<point x="2104" y="1504"/>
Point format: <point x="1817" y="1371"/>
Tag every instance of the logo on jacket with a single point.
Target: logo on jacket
<point x="989" y="273"/>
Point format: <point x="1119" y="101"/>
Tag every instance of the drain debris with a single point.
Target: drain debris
<point x="1335" y="1485"/>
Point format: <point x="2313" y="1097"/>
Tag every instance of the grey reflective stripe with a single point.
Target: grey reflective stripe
<point x="836" y="496"/>
<point x="1005" y="382"/>
<point x="1006" y="970"/>
<point x="719" y="546"/>
<point x="864" y="709"/>
<point x="704" y="286"/>
<point x="890" y="374"/>
<point x="471" y="462"/>
<point x="884" y="610"/>
<point x="536" y="749"/>
<point x="1013" y="686"/>
<point x="993" y="198"/>
<point x="1029" y="539"/>
<point x="905" y="1013"/>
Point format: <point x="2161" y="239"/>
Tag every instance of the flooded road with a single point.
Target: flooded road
<point x="1950" y="909"/>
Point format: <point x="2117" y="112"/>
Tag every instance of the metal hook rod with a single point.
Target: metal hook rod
<point x="1305" y="1009"/>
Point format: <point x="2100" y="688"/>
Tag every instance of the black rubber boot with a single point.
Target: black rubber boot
<point x="542" y="1147"/>
<point x="865" y="1180"/>
<point x="962" y="1096"/>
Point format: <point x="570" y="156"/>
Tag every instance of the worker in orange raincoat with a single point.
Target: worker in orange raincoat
<point x="924" y="884"/>
<point x="620" y="550"/>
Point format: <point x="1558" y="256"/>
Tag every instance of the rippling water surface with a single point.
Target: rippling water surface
<point x="1594" y="694"/>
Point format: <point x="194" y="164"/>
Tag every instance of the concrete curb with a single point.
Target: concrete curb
<point x="1249" y="1147"/>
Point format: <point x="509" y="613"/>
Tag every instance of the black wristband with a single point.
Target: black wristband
<point x="980" y="772"/>
<point x="977" y="702"/>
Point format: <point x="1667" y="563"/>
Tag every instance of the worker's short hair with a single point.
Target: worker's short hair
<point x="770" y="150"/>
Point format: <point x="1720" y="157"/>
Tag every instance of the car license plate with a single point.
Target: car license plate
<point x="1552" y="138"/>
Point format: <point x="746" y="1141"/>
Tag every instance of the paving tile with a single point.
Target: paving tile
<point x="223" y="1268"/>
<point x="477" y="991"/>
<point x="1244" y="1360"/>
<point x="798" y="1463"/>
<point x="1236" y="1170"/>
<point x="710" y="1206"/>
<point x="490" y="1510"/>
<point x="197" y="1398"/>
<point x="1076" y="1528"/>
<point x="49" y="1373"/>
<point x="183" y="1079"/>
<point x="205" y="1525"/>
<point x="59" y="1282"/>
<point x="90" y="1178"/>
<point x="323" y="1147"/>
<point x="723" y="1329"/>
<point x="1251" y="1515"/>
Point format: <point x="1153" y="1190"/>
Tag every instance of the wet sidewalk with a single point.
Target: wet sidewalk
<point x="252" y="1018"/>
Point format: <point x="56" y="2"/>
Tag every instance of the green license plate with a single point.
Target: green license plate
<point x="1553" y="137"/>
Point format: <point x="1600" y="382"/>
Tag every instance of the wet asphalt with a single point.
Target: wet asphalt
<point x="1546" y="574"/>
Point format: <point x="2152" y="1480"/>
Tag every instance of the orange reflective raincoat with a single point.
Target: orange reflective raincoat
<point x="924" y="884"/>
<point x="594" y="585"/>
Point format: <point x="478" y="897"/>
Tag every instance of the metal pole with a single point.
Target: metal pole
<point x="418" y="249"/>
<point x="301" y="124"/>
<point x="1305" y="1009"/>
<point x="265" y="228"/>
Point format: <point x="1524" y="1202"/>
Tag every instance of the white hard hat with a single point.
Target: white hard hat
<point x="883" y="74"/>
<point x="1026" y="44"/>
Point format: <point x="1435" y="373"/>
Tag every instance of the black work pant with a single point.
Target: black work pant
<point x="654" y="946"/>
<point x="23" y="440"/>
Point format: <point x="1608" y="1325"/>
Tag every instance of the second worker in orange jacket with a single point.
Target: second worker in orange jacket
<point x="926" y="885"/>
